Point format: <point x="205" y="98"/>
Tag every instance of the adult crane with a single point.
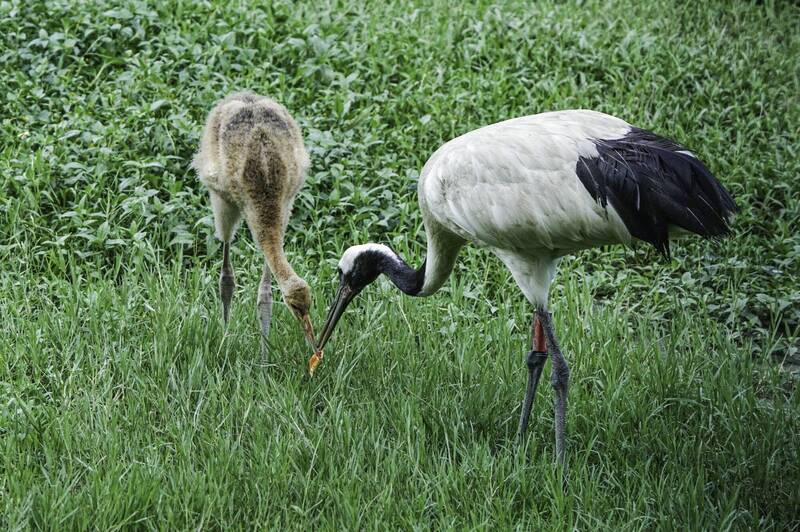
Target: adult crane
<point x="532" y="190"/>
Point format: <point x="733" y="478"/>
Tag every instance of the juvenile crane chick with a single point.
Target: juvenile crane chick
<point x="253" y="161"/>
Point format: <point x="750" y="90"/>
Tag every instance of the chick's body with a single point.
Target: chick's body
<point x="253" y="162"/>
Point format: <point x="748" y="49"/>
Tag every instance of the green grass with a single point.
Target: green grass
<point x="124" y="403"/>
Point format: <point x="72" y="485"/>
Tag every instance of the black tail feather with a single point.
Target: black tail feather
<point x="654" y="183"/>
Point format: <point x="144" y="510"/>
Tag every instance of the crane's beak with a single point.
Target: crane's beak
<point x="308" y="329"/>
<point x="344" y="295"/>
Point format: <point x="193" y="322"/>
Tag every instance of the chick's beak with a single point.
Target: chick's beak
<point x="308" y="329"/>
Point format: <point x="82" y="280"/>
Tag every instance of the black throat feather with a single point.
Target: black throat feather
<point x="409" y="280"/>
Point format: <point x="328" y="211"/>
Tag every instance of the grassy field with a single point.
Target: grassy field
<point x="124" y="402"/>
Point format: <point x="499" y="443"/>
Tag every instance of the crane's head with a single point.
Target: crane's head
<point x="358" y="267"/>
<point x="297" y="296"/>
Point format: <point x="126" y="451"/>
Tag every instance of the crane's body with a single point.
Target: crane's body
<point x="513" y="187"/>
<point x="534" y="189"/>
<point x="253" y="162"/>
<point x="251" y="142"/>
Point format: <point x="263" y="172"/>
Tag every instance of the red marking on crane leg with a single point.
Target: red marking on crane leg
<point x="539" y="343"/>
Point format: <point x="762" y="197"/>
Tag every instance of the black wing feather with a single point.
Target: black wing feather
<point x="654" y="183"/>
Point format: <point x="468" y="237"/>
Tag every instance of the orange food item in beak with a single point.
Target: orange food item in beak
<point x="313" y="361"/>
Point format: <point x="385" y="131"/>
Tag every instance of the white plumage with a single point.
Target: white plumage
<point x="512" y="187"/>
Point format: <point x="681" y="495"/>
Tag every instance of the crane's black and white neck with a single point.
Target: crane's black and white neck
<point x="362" y="264"/>
<point x="534" y="189"/>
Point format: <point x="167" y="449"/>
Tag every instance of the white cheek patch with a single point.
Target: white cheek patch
<point x="351" y="253"/>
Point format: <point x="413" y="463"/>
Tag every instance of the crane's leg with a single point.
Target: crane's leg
<point x="264" y="305"/>
<point x="559" y="378"/>
<point x="227" y="283"/>
<point x="226" y="217"/>
<point x="535" y="360"/>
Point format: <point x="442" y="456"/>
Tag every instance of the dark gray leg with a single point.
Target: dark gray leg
<point x="226" y="281"/>
<point x="559" y="378"/>
<point x="264" y="304"/>
<point x="535" y="361"/>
